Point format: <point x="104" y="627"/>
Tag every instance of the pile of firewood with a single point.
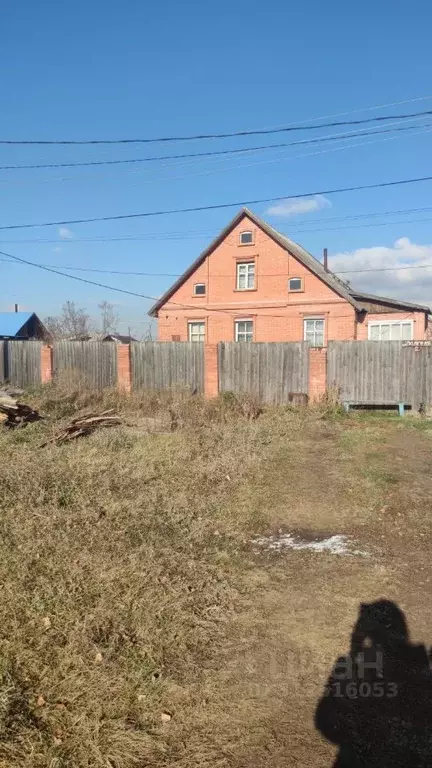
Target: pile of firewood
<point x="13" y="413"/>
<point x="84" y="425"/>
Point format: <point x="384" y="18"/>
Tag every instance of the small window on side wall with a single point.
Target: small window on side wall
<point x="246" y="238"/>
<point x="199" y="289"/>
<point x="295" y="284"/>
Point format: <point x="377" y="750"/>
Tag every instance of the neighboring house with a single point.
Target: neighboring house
<point x="254" y="284"/>
<point x="118" y="338"/>
<point x="21" y="325"/>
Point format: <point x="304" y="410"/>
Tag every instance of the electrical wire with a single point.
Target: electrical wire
<point x="212" y="153"/>
<point x="219" y="206"/>
<point x="199" y="233"/>
<point x="198" y="137"/>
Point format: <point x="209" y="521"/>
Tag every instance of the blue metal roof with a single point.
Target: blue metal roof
<point x="12" y="322"/>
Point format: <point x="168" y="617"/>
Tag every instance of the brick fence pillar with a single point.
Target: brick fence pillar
<point x="317" y="372"/>
<point x="124" y="372"/>
<point x="211" y="372"/>
<point x="46" y="364"/>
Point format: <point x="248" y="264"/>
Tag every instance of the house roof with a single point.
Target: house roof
<point x="370" y="297"/>
<point x="119" y="337"/>
<point x="300" y="253"/>
<point x="343" y="289"/>
<point x="12" y="322"/>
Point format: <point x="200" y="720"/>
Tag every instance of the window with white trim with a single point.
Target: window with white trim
<point x="245" y="275"/>
<point x="295" y="284"/>
<point x="196" y="331"/>
<point x="244" y="330"/>
<point x="199" y="289"/>
<point x="390" y="330"/>
<point x="314" y="331"/>
<point x="246" y="238"/>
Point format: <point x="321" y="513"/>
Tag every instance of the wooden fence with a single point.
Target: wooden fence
<point x="371" y="372"/>
<point x="94" y="362"/>
<point x="20" y="362"/>
<point x="269" y="371"/>
<point x="168" y="365"/>
<point x="3" y="362"/>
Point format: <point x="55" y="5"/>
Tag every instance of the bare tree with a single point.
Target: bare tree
<point x="147" y="335"/>
<point x="74" y="322"/>
<point x="109" y="318"/>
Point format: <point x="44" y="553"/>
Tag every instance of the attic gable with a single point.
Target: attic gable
<point x="309" y="261"/>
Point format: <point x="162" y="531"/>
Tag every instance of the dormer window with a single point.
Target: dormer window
<point x="246" y="237"/>
<point x="199" y="289"/>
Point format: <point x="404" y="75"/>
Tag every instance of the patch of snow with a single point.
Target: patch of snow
<point x="335" y="545"/>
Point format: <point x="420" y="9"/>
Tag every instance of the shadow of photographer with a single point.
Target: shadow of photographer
<point x="377" y="704"/>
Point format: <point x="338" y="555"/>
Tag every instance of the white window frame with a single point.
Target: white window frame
<point x="379" y="323"/>
<point x="246" y="232"/>
<point x="314" y="320"/>
<point x="192" y="335"/>
<point x="238" y="333"/>
<point x="195" y="287"/>
<point x="249" y="269"/>
<point x="296" y="290"/>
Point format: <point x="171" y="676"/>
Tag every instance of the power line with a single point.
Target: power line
<point x="218" y="206"/>
<point x="232" y="313"/>
<point x="53" y="267"/>
<point x="198" y="137"/>
<point x="213" y="153"/>
<point x="199" y="233"/>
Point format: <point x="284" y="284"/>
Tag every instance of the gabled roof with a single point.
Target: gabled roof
<point x="370" y="297"/>
<point x="355" y="298"/>
<point x="306" y="258"/>
<point x="12" y="322"/>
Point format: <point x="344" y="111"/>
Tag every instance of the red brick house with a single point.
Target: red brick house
<point x="254" y="284"/>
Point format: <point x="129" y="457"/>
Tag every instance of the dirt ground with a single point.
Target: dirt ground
<point x="367" y="478"/>
<point x="140" y="626"/>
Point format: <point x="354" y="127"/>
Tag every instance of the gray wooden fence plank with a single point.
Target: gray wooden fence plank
<point x="93" y="362"/>
<point x="380" y="372"/>
<point x="168" y="365"/>
<point x="3" y="348"/>
<point x="270" y="371"/>
<point x="23" y="363"/>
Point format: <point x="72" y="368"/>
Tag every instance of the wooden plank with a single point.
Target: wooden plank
<point x="269" y="371"/>
<point x="3" y="362"/>
<point x="24" y="363"/>
<point x="380" y="371"/>
<point x="94" y="363"/>
<point x="159" y="365"/>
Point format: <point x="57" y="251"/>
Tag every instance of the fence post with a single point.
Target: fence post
<point x="317" y="372"/>
<point x="46" y="364"/>
<point x="211" y="370"/>
<point x="124" y="372"/>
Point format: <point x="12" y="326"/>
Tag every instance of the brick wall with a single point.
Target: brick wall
<point x="211" y="370"/>
<point x="317" y="373"/>
<point x="124" y="367"/>
<point x="46" y="364"/>
<point x="417" y="318"/>
<point x="277" y="314"/>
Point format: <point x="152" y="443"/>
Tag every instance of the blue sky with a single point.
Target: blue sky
<point x="108" y="70"/>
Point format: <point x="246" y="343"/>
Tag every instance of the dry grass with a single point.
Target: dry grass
<point x="129" y="588"/>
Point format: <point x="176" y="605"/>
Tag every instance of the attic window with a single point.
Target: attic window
<point x="246" y="238"/>
<point x="199" y="289"/>
<point x="295" y="284"/>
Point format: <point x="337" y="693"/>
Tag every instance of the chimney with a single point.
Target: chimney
<point x="325" y="260"/>
<point x="16" y="308"/>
